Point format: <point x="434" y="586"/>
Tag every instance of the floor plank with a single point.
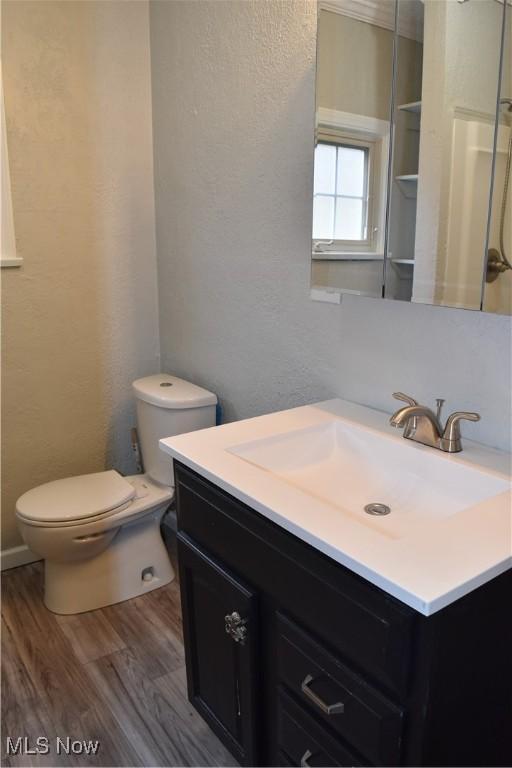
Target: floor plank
<point x="149" y="637"/>
<point x="17" y="685"/>
<point x="114" y="750"/>
<point x="30" y="722"/>
<point x="175" y="732"/>
<point x="116" y="675"/>
<point x="137" y="728"/>
<point x="44" y="650"/>
<point x="91" y="636"/>
<point x="173" y="686"/>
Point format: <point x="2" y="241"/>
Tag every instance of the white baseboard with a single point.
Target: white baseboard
<point x="16" y="556"/>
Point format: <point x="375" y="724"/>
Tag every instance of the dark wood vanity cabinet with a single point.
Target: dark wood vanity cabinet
<point x="294" y="660"/>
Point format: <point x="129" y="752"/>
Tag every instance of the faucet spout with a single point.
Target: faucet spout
<point x="402" y="416"/>
<point x="426" y="430"/>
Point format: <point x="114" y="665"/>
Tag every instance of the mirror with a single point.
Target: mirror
<point x="352" y="145"/>
<point x="406" y="125"/>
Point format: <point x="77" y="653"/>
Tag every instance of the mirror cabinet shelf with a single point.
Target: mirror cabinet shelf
<point x="414" y="107"/>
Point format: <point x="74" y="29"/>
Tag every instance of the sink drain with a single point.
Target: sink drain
<point x="377" y="509"/>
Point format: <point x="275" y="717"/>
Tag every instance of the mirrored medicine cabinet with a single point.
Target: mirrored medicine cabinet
<point x="413" y="140"/>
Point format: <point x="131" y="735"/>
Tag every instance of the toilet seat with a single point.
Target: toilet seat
<point x="76" y="500"/>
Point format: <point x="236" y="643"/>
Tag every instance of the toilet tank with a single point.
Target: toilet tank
<point x="168" y="406"/>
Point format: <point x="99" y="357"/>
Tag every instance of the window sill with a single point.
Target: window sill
<point x="335" y="295"/>
<point x="6" y="261"/>
<point x="346" y="256"/>
<point x="327" y="295"/>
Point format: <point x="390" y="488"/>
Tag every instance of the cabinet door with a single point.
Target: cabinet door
<point x="220" y="631"/>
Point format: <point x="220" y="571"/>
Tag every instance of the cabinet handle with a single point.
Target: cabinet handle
<point x="236" y="627"/>
<point x="305" y="757"/>
<point x="327" y="709"/>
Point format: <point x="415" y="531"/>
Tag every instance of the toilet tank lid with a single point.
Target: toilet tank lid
<point x="168" y="391"/>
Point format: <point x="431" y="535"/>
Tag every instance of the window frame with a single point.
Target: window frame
<point x="349" y="129"/>
<point x="349" y="142"/>
<point x="8" y="254"/>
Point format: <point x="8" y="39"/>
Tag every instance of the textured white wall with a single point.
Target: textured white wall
<point x="233" y="108"/>
<point x="79" y="318"/>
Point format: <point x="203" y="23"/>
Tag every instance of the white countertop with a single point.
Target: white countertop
<point x="427" y="569"/>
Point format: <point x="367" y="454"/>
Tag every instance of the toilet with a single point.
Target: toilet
<point x="99" y="534"/>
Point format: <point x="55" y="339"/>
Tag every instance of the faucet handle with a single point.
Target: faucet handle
<point x="405" y="398"/>
<point x="412" y="424"/>
<point x="451" y="436"/>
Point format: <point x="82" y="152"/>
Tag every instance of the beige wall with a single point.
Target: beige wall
<point x="355" y="61"/>
<point x="80" y="315"/>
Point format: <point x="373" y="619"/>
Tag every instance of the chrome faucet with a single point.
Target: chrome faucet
<point x="424" y="426"/>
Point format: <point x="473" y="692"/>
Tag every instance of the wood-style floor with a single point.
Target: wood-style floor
<point x="116" y="674"/>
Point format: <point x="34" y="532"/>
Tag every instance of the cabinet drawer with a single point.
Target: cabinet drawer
<point x="370" y="629"/>
<point x="341" y="698"/>
<point x="304" y="741"/>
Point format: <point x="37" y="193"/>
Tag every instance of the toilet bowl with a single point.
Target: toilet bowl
<point x="99" y="534"/>
<point x="97" y="551"/>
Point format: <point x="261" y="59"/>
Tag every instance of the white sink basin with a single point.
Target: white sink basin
<point x="348" y="467"/>
<point x="311" y="470"/>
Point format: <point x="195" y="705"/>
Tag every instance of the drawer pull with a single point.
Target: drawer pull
<point x="305" y="757"/>
<point x="327" y="709"/>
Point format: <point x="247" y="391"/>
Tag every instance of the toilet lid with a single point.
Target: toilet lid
<point x="75" y="498"/>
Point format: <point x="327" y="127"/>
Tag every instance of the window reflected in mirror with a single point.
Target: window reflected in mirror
<point x="340" y="201"/>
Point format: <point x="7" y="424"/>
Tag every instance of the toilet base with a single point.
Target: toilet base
<point x="135" y="562"/>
